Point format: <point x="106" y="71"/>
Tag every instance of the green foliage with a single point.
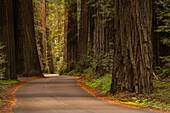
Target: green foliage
<point x="2" y="61"/>
<point x="148" y="102"/>
<point x="55" y="16"/>
<point x="2" y="70"/>
<point x="83" y="64"/>
<point x="95" y="71"/>
<point x="46" y="70"/>
<point x="107" y="9"/>
<point x="160" y="98"/>
<point x="163" y="12"/>
<point x="72" y="72"/>
<point x="101" y="64"/>
<point x="8" y="82"/>
<point x="102" y="83"/>
<point x="162" y="91"/>
<point x="63" y="69"/>
<point x="164" y="71"/>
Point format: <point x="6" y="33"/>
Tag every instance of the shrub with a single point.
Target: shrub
<point x="46" y="70"/>
<point x="102" y="83"/>
<point x="164" y="71"/>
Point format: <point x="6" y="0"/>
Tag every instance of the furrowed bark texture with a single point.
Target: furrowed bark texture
<point x="133" y="57"/>
<point x="26" y="52"/>
<point x="7" y="37"/>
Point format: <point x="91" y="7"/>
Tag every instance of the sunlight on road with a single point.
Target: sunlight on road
<point x="50" y="75"/>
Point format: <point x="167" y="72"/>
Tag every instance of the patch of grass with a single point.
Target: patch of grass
<point x="8" y="82"/>
<point x="34" y="77"/>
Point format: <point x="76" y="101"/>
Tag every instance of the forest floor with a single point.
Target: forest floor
<point x="7" y="98"/>
<point x="111" y="99"/>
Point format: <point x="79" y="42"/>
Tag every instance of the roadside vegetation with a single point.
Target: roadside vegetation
<point x="96" y="71"/>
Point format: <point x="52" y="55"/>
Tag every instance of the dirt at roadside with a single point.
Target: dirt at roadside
<point x="9" y="99"/>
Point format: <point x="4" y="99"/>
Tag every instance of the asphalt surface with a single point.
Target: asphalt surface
<point x="61" y="94"/>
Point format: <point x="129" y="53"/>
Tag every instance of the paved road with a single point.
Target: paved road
<point x="61" y="94"/>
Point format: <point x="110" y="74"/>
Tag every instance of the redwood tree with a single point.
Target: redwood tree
<point x="72" y="35"/>
<point x="133" y="57"/>
<point x="7" y="37"/>
<point x="40" y="30"/>
<point x="26" y="52"/>
<point x="83" y="32"/>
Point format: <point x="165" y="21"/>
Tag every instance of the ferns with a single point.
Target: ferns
<point x="2" y="61"/>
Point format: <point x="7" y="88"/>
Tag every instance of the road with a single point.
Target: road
<point x="61" y="94"/>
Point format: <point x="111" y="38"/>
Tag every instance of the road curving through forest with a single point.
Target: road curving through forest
<point x="61" y="94"/>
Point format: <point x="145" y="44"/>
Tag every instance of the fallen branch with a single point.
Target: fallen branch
<point x="155" y="76"/>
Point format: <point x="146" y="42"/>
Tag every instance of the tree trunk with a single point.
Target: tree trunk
<point x="65" y="35"/>
<point x="102" y="27"/>
<point x="26" y="52"/>
<point x="49" y="53"/>
<point x="99" y="36"/>
<point x="40" y="31"/>
<point x="133" y="57"/>
<point x="7" y="37"/>
<point x="91" y="19"/>
<point x="83" y="38"/>
<point x="72" y="35"/>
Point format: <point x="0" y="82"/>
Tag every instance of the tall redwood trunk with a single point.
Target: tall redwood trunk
<point x="72" y="35"/>
<point x="65" y="34"/>
<point x="7" y="37"/>
<point x="49" y="53"/>
<point x="26" y="50"/>
<point x="133" y="57"/>
<point x="40" y="31"/>
<point x="83" y="34"/>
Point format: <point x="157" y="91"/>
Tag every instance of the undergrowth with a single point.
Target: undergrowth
<point x="103" y="83"/>
<point x="160" y="98"/>
<point x="8" y="82"/>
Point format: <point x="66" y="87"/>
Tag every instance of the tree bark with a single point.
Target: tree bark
<point x="83" y="34"/>
<point x="72" y="35"/>
<point x="102" y="27"/>
<point x="7" y="37"/>
<point x="65" y="35"/>
<point x="49" y="53"/>
<point x="40" y="31"/>
<point x="133" y="55"/>
<point x="26" y="52"/>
